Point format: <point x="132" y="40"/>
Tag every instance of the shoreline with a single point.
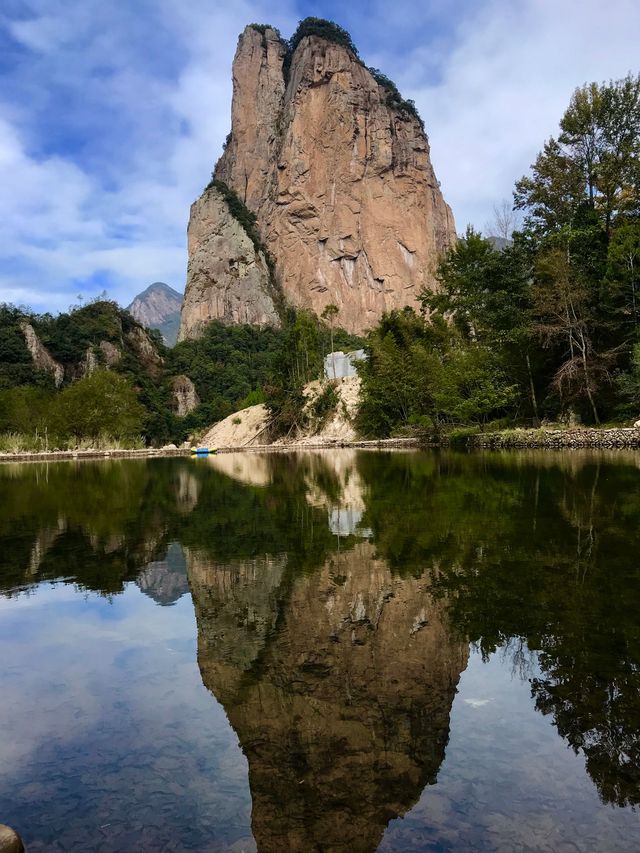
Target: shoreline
<point x="554" y="439"/>
<point x="515" y="439"/>
<point x="161" y="452"/>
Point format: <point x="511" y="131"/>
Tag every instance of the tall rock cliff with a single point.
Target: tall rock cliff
<point x="336" y="168"/>
<point x="228" y="276"/>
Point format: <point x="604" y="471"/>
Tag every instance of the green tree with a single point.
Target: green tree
<point x="594" y="161"/>
<point x="487" y="295"/>
<point x="101" y="404"/>
<point x="329" y="315"/>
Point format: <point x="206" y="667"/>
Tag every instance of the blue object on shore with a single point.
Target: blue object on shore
<point x="202" y="451"/>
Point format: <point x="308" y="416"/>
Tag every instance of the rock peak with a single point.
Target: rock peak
<point x="335" y="165"/>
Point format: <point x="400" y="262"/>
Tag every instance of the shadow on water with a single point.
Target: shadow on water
<point x="335" y="597"/>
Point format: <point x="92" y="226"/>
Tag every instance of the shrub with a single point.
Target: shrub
<point x="394" y="98"/>
<point x="324" y="29"/>
<point x="324" y="404"/>
<point x="103" y="403"/>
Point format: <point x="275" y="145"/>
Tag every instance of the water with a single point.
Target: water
<point x="330" y="651"/>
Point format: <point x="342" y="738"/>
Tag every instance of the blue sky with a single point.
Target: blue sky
<point x="113" y="112"/>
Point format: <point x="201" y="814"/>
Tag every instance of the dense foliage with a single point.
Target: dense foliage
<point x="299" y="359"/>
<point x="547" y="327"/>
<point x="121" y="404"/>
<point x="327" y="30"/>
<point x="423" y="374"/>
<point x="231" y="367"/>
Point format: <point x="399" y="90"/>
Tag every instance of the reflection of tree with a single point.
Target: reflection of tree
<point x="99" y="524"/>
<point x="533" y="555"/>
<point x="91" y="523"/>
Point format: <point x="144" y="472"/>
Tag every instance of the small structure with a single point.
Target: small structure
<point x="339" y="365"/>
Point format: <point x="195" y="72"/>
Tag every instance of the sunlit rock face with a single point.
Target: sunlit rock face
<point x="228" y="277"/>
<point x="341" y="182"/>
<point x="339" y="685"/>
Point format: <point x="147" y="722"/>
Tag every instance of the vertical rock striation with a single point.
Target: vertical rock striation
<point x="339" y="176"/>
<point x="42" y="358"/>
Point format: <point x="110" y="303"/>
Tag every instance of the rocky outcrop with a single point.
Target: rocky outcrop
<point x="42" y="359"/>
<point x="10" y="841"/>
<point x="145" y="350"/>
<point x="228" y="278"/>
<point x="110" y="353"/>
<point x="104" y="355"/>
<point x="184" y="395"/>
<point x="340" y="179"/>
<point x="88" y="364"/>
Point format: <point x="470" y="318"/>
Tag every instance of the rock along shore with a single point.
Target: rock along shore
<point x="151" y="452"/>
<point x="557" y="438"/>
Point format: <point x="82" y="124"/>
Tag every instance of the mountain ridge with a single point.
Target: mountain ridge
<point x="158" y="307"/>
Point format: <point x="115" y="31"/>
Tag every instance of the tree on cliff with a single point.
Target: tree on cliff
<point x="329" y="315"/>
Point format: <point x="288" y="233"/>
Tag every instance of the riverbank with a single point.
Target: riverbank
<point x="556" y="438"/>
<point x="552" y="439"/>
<point x="152" y="452"/>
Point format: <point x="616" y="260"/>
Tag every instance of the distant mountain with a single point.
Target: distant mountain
<point x="500" y="243"/>
<point x="158" y="307"/>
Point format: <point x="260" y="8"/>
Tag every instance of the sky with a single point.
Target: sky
<point x="113" y="114"/>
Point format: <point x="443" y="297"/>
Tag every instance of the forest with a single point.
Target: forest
<point x="544" y="328"/>
<point x="541" y="326"/>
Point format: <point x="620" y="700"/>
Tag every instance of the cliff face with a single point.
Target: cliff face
<point x="42" y="358"/>
<point x="341" y="182"/>
<point x="228" y="278"/>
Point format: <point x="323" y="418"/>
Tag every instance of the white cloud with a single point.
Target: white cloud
<point x="505" y="83"/>
<point x="113" y="214"/>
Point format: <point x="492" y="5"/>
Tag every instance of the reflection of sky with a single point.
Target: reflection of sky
<point x="508" y="781"/>
<point x="106" y="728"/>
<point x="109" y="741"/>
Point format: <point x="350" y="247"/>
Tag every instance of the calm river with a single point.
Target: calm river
<point x="331" y="651"/>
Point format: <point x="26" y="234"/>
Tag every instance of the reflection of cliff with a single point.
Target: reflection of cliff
<point x="339" y="686"/>
<point x="165" y="581"/>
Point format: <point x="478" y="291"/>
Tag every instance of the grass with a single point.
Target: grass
<point x="16" y="442"/>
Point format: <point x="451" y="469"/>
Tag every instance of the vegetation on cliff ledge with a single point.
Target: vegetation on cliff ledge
<point x="332" y="32"/>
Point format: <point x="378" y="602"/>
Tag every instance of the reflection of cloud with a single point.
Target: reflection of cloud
<point x="99" y="710"/>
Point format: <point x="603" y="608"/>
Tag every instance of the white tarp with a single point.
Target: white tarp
<point x="338" y="365"/>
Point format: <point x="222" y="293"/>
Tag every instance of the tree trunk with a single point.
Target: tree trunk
<point x="534" y="401"/>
